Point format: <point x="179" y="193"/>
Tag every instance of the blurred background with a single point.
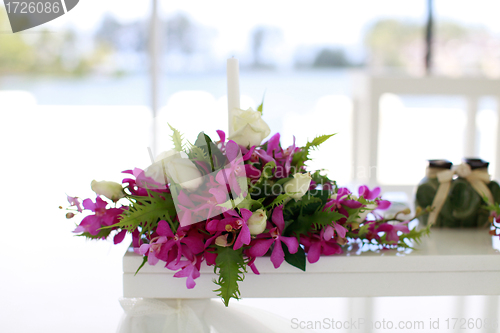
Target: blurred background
<point x="84" y="96"/>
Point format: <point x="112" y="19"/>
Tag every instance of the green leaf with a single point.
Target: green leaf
<point x="414" y="235"/>
<point x="230" y="266"/>
<point x="280" y="199"/>
<point x="260" y="108"/>
<point x="250" y="204"/>
<point x="267" y="172"/>
<point x="297" y="259"/>
<point x="318" y="140"/>
<point x="146" y="212"/>
<point x="309" y="205"/>
<point x="318" y="178"/>
<point x="363" y="230"/>
<point x="213" y="155"/>
<point x="177" y="139"/>
<point x="321" y="219"/>
<point x="313" y="200"/>
<point x="144" y="261"/>
<point x="233" y="203"/>
<point x="302" y="156"/>
<point x="198" y="154"/>
<point x="103" y="233"/>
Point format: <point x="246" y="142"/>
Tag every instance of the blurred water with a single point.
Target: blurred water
<point x="300" y="103"/>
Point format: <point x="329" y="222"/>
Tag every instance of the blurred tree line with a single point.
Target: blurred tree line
<point x="457" y="49"/>
<point x="45" y="52"/>
<point x="116" y="47"/>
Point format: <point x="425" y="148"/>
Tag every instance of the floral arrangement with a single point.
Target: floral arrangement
<point x="494" y="218"/>
<point x="229" y="202"/>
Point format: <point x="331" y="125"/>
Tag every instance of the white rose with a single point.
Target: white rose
<point x="300" y="184"/>
<point x="176" y="166"/>
<point x="249" y="128"/>
<point x="110" y="190"/>
<point x="170" y="153"/>
<point x="257" y="222"/>
<point x="157" y="169"/>
<point x="184" y="172"/>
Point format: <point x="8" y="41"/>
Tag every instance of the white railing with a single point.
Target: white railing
<point x="367" y="90"/>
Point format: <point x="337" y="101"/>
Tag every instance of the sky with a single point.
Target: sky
<point x="313" y="22"/>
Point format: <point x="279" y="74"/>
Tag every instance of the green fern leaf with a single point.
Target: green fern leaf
<point x="318" y="140"/>
<point x="177" y="139"/>
<point x="321" y="219"/>
<point x="280" y="199"/>
<point x="415" y="235"/>
<point x="231" y="268"/>
<point x="260" y="108"/>
<point x="146" y="212"/>
<point x="198" y="154"/>
<point x="302" y="156"/>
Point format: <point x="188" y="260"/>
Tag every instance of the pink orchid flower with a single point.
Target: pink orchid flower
<point x="391" y="230"/>
<point x="188" y="269"/>
<point x="335" y="228"/>
<point x="365" y="192"/>
<point x="233" y="221"/>
<point x="317" y="245"/>
<point x="102" y="217"/>
<point x="261" y="246"/>
<point x="341" y="199"/>
<point x="73" y="201"/>
<point x="234" y="170"/>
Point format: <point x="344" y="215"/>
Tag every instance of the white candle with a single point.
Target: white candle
<point x="233" y="90"/>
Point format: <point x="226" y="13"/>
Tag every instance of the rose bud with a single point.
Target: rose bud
<point x="257" y="222"/>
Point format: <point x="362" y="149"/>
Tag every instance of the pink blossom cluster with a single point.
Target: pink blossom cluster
<point x="202" y="221"/>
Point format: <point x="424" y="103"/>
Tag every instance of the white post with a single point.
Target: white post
<point x="233" y="91"/>
<point x="154" y="67"/>
<point x="496" y="175"/>
<point x="470" y="128"/>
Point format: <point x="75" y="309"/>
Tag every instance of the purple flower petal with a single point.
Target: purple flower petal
<point x="278" y="256"/>
<point x="383" y="204"/>
<point x="119" y="237"/>
<point x="89" y="205"/>
<point x="152" y="259"/>
<point x="163" y="229"/>
<point x="260" y="247"/>
<point x="314" y="252"/>
<point x="352" y="203"/>
<point x="291" y="243"/>
<point x="328" y="233"/>
<point x="232" y="150"/>
<point x="341" y="231"/>
<point x="144" y="248"/>
<point x="273" y="143"/>
<point x="246" y="214"/>
<point x="244" y="237"/>
<point x="222" y="136"/>
<point x="278" y="218"/>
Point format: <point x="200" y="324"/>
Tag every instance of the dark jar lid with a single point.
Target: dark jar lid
<point x="440" y="164"/>
<point x="476" y="163"/>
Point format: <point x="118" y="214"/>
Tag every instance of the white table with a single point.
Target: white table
<point x="449" y="262"/>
